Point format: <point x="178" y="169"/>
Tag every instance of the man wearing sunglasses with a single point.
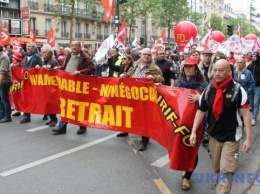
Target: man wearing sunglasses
<point x="145" y="68"/>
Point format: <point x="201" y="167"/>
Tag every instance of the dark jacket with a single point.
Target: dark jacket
<point x="254" y="67"/>
<point x="120" y="69"/>
<point x="35" y="60"/>
<point x="85" y="65"/>
<point x="52" y="62"/>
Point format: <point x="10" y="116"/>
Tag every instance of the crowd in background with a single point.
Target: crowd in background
<point x="193" y="70"/>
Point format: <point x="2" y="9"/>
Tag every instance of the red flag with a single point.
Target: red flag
<point x="4" y="37"/>
<point x="32" y="36"/>
<point x="16" y="44"/>
<point x="158" y="43"/>
<point x="121" y="35"/>
<point x="50" y="38"/>
<point x="109" y="9"/>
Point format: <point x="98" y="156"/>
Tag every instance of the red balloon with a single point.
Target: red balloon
<point x="218" y="36"/>
<point x="183" y="31"/>
<point x="251" y="37"/>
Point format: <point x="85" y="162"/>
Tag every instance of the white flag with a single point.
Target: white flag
<point x="104" y="47"/>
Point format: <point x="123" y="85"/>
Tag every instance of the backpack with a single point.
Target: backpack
<point x="236" y="89"/>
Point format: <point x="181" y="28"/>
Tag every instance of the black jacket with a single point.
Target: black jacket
<point x="254" y="67"/>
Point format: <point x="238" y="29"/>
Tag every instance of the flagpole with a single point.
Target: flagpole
<point x="110" y="30"/>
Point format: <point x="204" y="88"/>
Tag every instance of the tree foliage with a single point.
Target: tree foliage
<point x="197" y="19"/>
<point x="167" y="13"/>
<point x="133" y="9"/>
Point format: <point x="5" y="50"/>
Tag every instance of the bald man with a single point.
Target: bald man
<point x="224" y="126"/>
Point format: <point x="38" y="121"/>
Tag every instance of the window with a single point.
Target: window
<point x="10" y="14"/>
<point x="86" y="28"/>
<point x="153" y="30"/>
<point x="63" y="26"/>
<point x="99" y="30"/>
<point x="143" y="28"/>
<point x="47" y="24"/>
<point x="77" y="27"/>
<point x="33" y="24"/>
<point x="77" y="10"/>
<point x="106" y="31"/>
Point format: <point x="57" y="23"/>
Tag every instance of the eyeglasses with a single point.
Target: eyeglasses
<point x="147" y="54"/>
<point x="124" y="59"/>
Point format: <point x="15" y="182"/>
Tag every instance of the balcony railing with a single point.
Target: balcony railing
<point x="78" y="35"/>
<point x="33" y="5"/>
<point x="99" y="37"/>
<point x="87" y="35"/>
<point x="64" y="34"/>
<point x="49" y="7"/>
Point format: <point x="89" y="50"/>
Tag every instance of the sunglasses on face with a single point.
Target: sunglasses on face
<point x="147" y="54"/>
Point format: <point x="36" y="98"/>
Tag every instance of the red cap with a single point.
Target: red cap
<point x="18" y="56"/>
<point x="190" y="61"/>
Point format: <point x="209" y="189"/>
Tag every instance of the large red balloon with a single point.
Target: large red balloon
<point x="183" y="31"/>
<point x="251" y="37"/>
<point x="218" y="36"/>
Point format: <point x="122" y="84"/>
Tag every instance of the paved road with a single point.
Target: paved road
<point x="33" y="161"/>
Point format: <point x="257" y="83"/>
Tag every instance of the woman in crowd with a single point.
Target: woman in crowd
<point x="191" y="78"/>
<point x="126" y="66"/>
<point x="196" y="55"/>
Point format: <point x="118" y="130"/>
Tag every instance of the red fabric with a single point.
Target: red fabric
<point x="4" y="37"/>
<point x="60" y="57"/>
<point x="32" y="36"/>
<point x="113" y="104"/>
<point x="218" y="101"/>
<point x="158" y="43"/>
<point x="51" y="38"/>
<point x="232" y="60"/>
<point x="109" y="9"/>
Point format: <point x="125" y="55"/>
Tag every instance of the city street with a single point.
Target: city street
<point x="34" y="161"/>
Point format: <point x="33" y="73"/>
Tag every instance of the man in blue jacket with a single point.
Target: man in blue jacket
<point x="32" y="60"/>
<point x="243" y="76"/>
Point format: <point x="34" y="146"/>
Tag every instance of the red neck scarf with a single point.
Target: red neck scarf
<point x="218" y="101"/>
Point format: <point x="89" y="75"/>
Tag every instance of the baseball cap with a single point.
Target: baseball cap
<point x="207" y="51"/>
<point x="190" y="61"/>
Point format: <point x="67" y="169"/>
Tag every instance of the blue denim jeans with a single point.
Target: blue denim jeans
<point x="62" y="124"/>
<point x="255" y="99"/>
<point x="5" y="107"/>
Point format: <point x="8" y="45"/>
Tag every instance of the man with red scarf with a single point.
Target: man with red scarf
<point x="224" y="124"/>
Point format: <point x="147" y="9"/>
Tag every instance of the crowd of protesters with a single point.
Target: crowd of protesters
<point x="212" y="75"/>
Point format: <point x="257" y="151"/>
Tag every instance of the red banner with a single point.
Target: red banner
<point x="130" y="105"/>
